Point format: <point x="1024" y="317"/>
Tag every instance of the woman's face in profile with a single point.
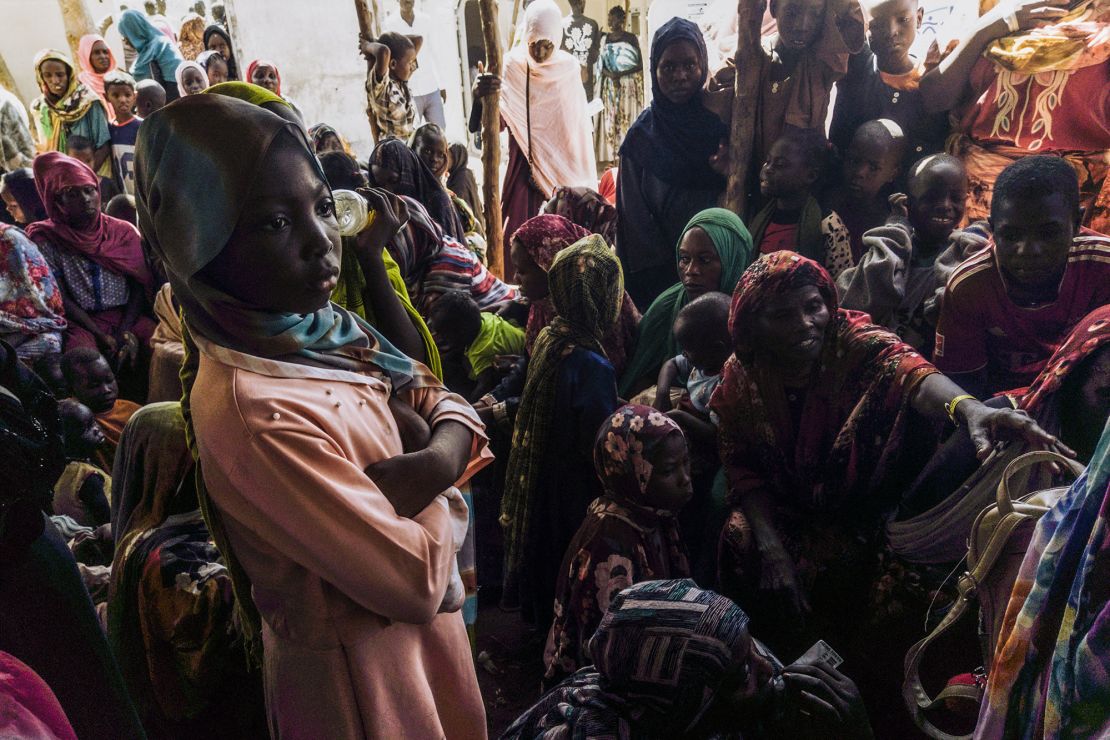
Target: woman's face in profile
<point x="285" y="251"/>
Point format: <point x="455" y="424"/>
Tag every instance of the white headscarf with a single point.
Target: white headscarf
<point x="179" y="73"/>
<point x="543" y="22"/>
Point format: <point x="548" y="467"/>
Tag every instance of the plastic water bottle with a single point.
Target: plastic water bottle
<point x="352" y="212"/>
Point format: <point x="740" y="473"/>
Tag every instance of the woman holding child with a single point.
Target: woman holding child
<point x="295" y="394"/>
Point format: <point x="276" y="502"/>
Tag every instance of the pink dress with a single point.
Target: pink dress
<point x="348" y="590"/>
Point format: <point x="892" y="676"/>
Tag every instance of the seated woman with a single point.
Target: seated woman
<point x="712" y="253"/>
<point x="569" y="390"/>
<point x="349" y="581"/>
<point x="68" y="108"/>
<point x="461" y="182"/>
<point x="98" y="262"/>
<point x="630" y="533"/>
<point x="814" y="407"/>
<point x="533" y="248"/>
<point x="20" y="196"/>
<point x="396" y="168"/>
<point x="157" y="57"/>
<point x="179" y="648"/>
<point x="671" y="660"/>
<point x="430" y="144"/>
<point x="32" y="315"/>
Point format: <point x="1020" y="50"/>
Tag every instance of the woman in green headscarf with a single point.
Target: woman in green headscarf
<point x="714" y="250"/>
<point x="570" y="390"/>
<point x="328" y="456"/>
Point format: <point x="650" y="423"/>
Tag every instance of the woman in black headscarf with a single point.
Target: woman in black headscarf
<point x="21" y="197"/>
<point x="396" y="168"/>
<point x="217" y="39"/>
<point x="665" y="171"/>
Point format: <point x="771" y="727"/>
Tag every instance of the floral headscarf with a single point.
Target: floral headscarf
<point x="623" y="448"/>
<point x="586" y="208"/>
<point x="1092" y="332"/>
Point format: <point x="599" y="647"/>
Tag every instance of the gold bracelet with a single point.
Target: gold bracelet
<point x="950" y="407"/>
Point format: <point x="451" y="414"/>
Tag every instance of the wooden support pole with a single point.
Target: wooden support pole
<point x="78" y="22"/>
<point x="513" y="23"/>
<point x="366" y="30"/>
<point x="7" y="81"/>
<point x="745" y="97"/>
<point x="491" y="142"/>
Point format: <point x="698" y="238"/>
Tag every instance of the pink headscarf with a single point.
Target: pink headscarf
<point x="561" y="143"/>
<point x="88" y="76"/>
<point x="109" y="242"/>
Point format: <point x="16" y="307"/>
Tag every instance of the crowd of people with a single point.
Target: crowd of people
<point x="256" y="446"/>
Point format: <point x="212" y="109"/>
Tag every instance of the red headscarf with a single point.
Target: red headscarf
<point x="263" y="63"/>
<point x="544" y="237"/>
<point x="109" y="242"/>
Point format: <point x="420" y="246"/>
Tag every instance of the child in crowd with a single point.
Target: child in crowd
<point x="701" y="330"/>
<point x="871" y="168"/>
<point x="81" y="149"/>
<point x="119" y="89"/>
<point x="214" y="65"/>
<point x="882" y="82"/>
<point x="84" y="489"/>
<point x="149" y="97"/>
<point x="897" y="279"/>
<point x="430" y="145"/>
<point x="392" y="60"/>
<point x="630" y="533"/>
<point x="1008" y="308"/>
<point x="792" y="218"/>
<point x="90" y="378"/>
<point x="122" y="207"/>
<point x="470" y="341"/>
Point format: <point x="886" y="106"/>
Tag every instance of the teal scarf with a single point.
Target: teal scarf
<point x="656" y="343"/>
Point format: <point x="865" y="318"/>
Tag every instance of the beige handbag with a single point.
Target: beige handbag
<point x="996" y="546"/>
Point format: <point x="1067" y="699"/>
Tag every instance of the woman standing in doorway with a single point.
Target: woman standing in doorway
<point x="544" y="107"/>
<point x="622" y="86"/>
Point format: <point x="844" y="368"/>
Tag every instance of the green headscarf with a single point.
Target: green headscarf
<point x="246" y="92"/>
<point x="587" y="287"/>
<point x="656" y="343"/>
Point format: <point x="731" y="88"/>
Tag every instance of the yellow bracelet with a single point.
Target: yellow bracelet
<point x="950" y="407"/>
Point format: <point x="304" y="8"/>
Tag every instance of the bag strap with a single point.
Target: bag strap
<point x="916" y="697"/>
<point x="1019" y="464"/>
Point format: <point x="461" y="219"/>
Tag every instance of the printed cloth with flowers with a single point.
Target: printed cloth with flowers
<point x="31" y="311"/>
<point x="621" y="542"/>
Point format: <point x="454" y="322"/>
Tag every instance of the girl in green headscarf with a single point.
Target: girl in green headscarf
<point x="714" y="250"/>
<point x="570" y="390"/>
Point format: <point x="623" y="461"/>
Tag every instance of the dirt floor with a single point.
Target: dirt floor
<point x="510" y="662"/>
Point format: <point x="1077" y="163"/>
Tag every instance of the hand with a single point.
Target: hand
<point x="719" y="160"/>
<point x="128" y="351"/>
<point x="106" y="344"/>
<point x="829" y="697"/>
<point x="988" y="427"/>
<point x="899" y="207"/>
<point x="485" y="413"/>
<point x="1031" y="13"/>
<point x="406" y="479"/>
<point x="366" y="48"/>
<point x="504" y="363"/>
<point x="778" y="575"/>
<point x="486" y="85"/>
<point x="968" y="242"/>
<point x="390" y="216"/>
